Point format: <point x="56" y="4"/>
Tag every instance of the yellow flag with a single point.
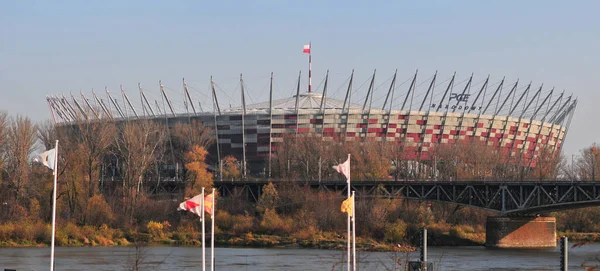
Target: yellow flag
<point x="348" y="205"/>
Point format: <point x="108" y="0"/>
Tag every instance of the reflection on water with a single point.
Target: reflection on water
<point x="183" y="258"/>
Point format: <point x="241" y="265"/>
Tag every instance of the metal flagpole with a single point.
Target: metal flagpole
<point x="309" y="67"/>
<point x="353" y="232"/>
<point x="54" y="207"/>
<point x="212" y="233"/>
<point x="203" y="239"/>
<point x="348" y="180"/>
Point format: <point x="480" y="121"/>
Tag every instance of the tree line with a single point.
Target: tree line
<point x="110" y="176"/>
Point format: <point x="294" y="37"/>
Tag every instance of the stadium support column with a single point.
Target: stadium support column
<point x="496" y="111"/>
<point x="51" y="109"/>
<point x="101" y="105"/>
<point x="68" y="107"/>
<point x="78" y="106"/>
<point x="324" y="97"/>
<point x="54" y="108"/>
<point x="367" y="98"/>
<point x="440" y="105"/>
<point x="568" y="115"/>
<point x="347" y="99"/>
<point x="270" y="123"/>
<point x="243" y="128"/>
<point x="538" y="108"/>
<point x="481" y="112"/>
<point x="298" y="100"/>
<point x="406" y="121"/>
<point x="58" y="109"/>
<point x="162" y="89"/>
<point x="89" y="105"/>
<point x="483" y="89"/>
<point x="187" y="94"/>
<point x="467" y="86"/>
<point x="510" y="149"/>
<point x="215" y="108"/>
<point x="143" y="98"/>
<point x="539" y="133"/>
<point x="554" y="121"/>
<point x="128" y="102"/>
<point x="323" y="104"/>
<point x="390" y="97"/>
<point x="77" y="116"/>
<point x="462" y="115"/>
<point x="430" y="89"/>
<point x="113" y="102"/>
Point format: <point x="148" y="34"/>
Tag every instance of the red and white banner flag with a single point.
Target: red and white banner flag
<point x="306" y="49"/>
<point x="193" y="205"/>
<point x="344" y="168"/>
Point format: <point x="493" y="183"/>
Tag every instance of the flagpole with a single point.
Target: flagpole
<point x="212" y="233"/>
<point x="353" y="232"/>
<point x="309" y="67"/>
<point x="348" y="245"/>
<point x="55" y="173"/>
<point x="203" y="239"/>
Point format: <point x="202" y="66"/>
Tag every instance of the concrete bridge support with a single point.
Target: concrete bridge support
<point x="520" y="232"/>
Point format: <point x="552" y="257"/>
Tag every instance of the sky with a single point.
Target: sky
<point x="62" y="47"/>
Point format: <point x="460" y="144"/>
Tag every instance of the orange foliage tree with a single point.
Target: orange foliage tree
<point x="231" y="168"/>
<point x="197" y="172"/>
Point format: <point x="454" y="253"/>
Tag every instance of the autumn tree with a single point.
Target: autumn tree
<point x="546" y="164"/>
<point x="588" y="166"/>
<point x="94" y="138"/>
<point x="269" y="198"/>
<point x="197" y="175"/>
<point x="231" y="168"/>
<point x="21" y="140"/>
<point x="138" y="146"/>
<point x="3" y="139"/>
<point x="185" y="135"/>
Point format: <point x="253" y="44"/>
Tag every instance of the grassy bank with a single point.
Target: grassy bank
<point x="38" y="234"/>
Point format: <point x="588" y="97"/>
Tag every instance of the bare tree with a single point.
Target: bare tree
<point x="138" y="147"/>
<point x="3" y="139"/>
<point x="95" y="137"/>
<point x="21" y="141"/>
<point x="588" y="166"/>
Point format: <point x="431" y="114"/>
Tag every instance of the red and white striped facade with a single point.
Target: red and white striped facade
<point x="419" y="131"/>
<point x="519" y="123"/>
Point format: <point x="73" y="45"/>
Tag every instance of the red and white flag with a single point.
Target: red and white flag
<point x="344" y="168"/>
<point x="306" y="49"/>
<point x="193" y="205"/>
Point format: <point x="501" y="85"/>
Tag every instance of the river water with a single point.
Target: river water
<point x="184" y="258"/>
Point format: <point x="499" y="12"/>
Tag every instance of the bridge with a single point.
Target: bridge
<point x="507" y="198"/>
<point x="522" y="205"/>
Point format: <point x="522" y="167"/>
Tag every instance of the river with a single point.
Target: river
<point x="185" y="258"/>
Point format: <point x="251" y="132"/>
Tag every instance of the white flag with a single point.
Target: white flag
<point x="47" y="158"/>
<point x="344" y="168"/>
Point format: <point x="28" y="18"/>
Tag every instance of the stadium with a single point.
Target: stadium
<point x="517" y="119"/>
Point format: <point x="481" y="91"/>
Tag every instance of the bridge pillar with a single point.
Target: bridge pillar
<point x="520" y="232"/>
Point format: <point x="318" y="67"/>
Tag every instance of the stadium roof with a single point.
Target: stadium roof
<point x="305" y="101"/>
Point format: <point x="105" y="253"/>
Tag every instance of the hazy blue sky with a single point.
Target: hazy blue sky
<point x="53" y="47"/>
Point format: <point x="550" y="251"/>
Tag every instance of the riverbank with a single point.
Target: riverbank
<point x="155" y="233"/>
